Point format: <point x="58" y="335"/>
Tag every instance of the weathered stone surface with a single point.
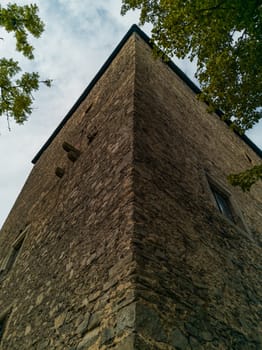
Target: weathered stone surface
<point x="28" y="329"/>
<point x="194" y="267"/>
<point x="107" y="335"/>
<point x="127" y="343"/>
<point x="39" y="299"/>
<point x="126" y="318"/>
<point x="178" y="339"/>
<point x="131" y="233"/>
<point x="148" y="322"/>
<point x="82" y="328"/>
<point x="207" y="336"/>
<point x="81" y="224"/>
<point x="59" y="320"/>
<point x="43" y="345"/>
<point x="95" y="320"/>
<point x="89" y="339"/>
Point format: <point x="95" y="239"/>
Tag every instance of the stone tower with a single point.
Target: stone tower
<point x="127" y="235"/>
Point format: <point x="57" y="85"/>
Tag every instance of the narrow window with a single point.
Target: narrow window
<point x="3" y="322"/>
<point x="2" y="327"/>
<point x="223" y="203"/>
<point x="14" y="253"/>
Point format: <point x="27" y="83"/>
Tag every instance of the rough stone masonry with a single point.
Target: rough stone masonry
<point x="117" y="241"/>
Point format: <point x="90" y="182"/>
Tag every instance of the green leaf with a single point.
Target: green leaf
<point x="225" y="38"/>
<point x="16" y="97"/>
<point x="246" y="178"/>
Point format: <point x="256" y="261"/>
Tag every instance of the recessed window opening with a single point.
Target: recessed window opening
<point x="2" y="327"/>
<point x="14" y="253"/>
<point x="11" y="258"/>
<point x="223" y="203"/>
<point x="3" y="322"/>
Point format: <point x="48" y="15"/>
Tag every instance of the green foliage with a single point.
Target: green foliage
<point x="225" y="37"/>
<point x="16" y="90"/>
<point x="246" y="178"/>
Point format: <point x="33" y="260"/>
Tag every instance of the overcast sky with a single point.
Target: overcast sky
<point x="79" y="36"/>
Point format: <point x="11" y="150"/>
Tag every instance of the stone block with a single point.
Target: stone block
<point x="148" y="323"/>
<point x="107" y="334"/>
<point x="95" y="320"/>
<point x="126" y="318"/>
<point x="83" y="326"/>
<point x="178" y="339"/>
<point x="127" y="343"/>
<point x="89" y="339"/>
<point x="59" y="320"/>
<point x="28" y="329"/>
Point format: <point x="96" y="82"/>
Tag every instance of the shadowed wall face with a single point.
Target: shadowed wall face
<point x="198" y="278"/>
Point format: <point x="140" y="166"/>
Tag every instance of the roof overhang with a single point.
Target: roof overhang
<point x="134" y="29"/>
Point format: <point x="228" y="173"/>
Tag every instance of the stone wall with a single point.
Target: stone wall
<point x="199" y="275"/>
<point x="123" y="246"/>
<point x="70" y="287"/>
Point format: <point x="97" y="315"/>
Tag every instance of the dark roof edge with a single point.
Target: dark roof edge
<point x="134" y="29"/>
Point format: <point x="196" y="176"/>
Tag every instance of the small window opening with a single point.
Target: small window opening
<point x="12" y="257"/>
<point x="223" y="203"/>
<point x="2" y="327"/>
<point x="3" y="322"/>
<point x="14" y="253"/>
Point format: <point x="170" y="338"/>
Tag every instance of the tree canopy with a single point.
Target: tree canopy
<point x="225" y="39"/>
<point x="16" y="87"/>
